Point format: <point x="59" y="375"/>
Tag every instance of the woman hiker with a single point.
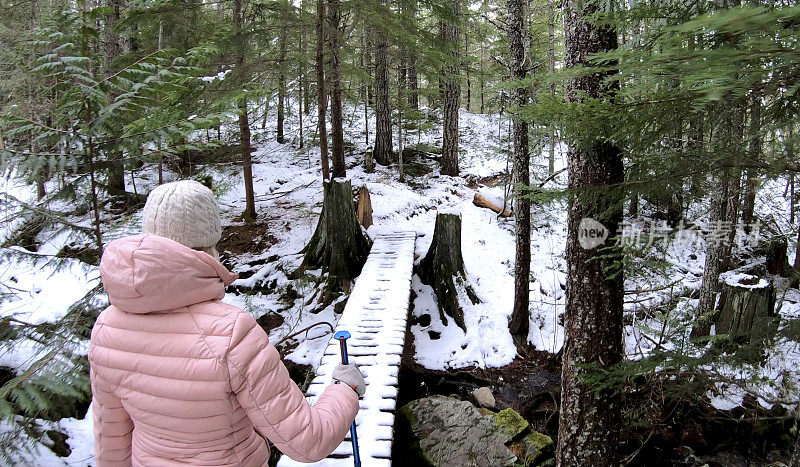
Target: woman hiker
<point x="179" y="377"/>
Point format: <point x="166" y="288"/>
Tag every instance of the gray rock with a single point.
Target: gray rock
<point x="453" y="432"/>
<point x="484" y="397"/>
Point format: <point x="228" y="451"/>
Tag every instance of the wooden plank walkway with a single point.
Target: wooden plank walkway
<point x="375" y="316"/>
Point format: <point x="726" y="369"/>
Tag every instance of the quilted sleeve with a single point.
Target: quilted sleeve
<point x="112" y="426"/>
<point x="276" y="405"/>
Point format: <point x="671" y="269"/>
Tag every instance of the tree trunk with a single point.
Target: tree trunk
<point x="483" y="77"/>
<point x="589" y="419"/>
<point x="466" y="68"/>
<point x="98" y="234"/>
<point x="281" y="84"/>
<point x="322" y="97"/>
<point x="551" y="55"/>
<point x="520" y="317"/>
<point x="383" y="111"/>
<point x="338" y="245"/>
<point x="754" y="152"/>
<point x="452" y="92"/>
<point x="713" y="264"/>
<point x="443" y="268"/>
<point x="249" y="214"/>
<point x="400" y="88"/>
<point x="746" y="308"/>
<point x="364" y="208"/>
<point x="115" y="180"/>
<point x="413" y="82"/>
<point x="335" y="80"/>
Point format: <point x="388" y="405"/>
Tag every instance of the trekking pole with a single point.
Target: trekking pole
<point x="343" y="336"/>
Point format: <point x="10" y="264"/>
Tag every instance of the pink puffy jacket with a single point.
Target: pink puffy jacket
<point x="179" y="377"/>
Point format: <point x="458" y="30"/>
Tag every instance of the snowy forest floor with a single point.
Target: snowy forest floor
<point x="662" y="283"/>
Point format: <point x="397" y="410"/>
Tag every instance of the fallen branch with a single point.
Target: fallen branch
<point x="482" y="202"/>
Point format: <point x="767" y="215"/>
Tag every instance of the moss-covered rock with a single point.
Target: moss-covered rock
<point x="448" y="431"/>
<point x="510" y="423"/>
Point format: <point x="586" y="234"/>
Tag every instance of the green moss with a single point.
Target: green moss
<point x="538" y="440"/>
<point x="510" y="422"/>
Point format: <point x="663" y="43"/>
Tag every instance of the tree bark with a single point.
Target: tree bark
<point x="754" y="152"/>
<point x="724" y="210"/>
<point x="400" y="87"/>
<point x="338" y="245"/>
<point x="452" y="91"/>
<point x="551" y="55"/>
<point x="322" y="97"/>
<point x="589" y="419"/>
<point x="383" y="111"/>
<point x="713" y="264"/>
<point x="443" y="268"/>
<point x="520" y="317"/>
<point x="115" y="180"/>
<point x="249" y="214"/>
<point x="281" y="84"/>
<point x="364" y="208"/>
<point x="746" y="309"/>
<point x="335" y="80"/>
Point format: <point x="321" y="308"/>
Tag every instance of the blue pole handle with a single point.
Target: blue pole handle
<point x="342" y="336"/>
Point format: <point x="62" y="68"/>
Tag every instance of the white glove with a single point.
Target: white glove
<point x="349" y="375"/>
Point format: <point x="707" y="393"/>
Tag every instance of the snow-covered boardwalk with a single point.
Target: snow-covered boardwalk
<point x="375" y="316"/>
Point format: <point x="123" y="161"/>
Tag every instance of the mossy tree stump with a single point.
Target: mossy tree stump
<point x="746" y="307"/>
<point x="443" y="268"/>
<point x="339" y="246"/>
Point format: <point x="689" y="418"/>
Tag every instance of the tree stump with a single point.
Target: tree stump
<point x="777" y="258"/>
<point x="339" y="246"/>
<point x="746" y="307"/>
<point x="364" y="209"/>
<point x="443" y="268"/>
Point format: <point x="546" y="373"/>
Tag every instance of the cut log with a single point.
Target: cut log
<point x="746" y="307"/>
<point x="364" y="207"/>
<point x="443" y="268"/>
<point x="339" y="245"/>
<point x="480" y="201"/>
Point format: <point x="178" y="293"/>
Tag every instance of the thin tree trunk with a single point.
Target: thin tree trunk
<point x="383" y="110"/>
<point x="335" y="80"/>
<point x="161" y="156"/>
<point x="322" y="97"/>
<point x="116" y="166"/>
<point x="713" y="264"/>
<point x="98" y="234"/>
<point x="466" y="69"/>
<point x="281" y="84"/>
<point x="551" y="55"/>
<point x="483" y="78"/>
<point x="520" y="317"/>
<point x="589" y="419"/>
<point x="795" y="461"/>
<point x="754" y="151"/>
<point x="452" y="91"/>
<point x="41" y="173"/>
<point x="400" y="87"/>
<point x="249" y="214"/>
<point x="300" y="92"/>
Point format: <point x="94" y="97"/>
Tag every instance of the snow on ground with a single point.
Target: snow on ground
<point x="289" y="198"/>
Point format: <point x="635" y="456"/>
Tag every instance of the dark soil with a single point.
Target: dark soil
<point x="245" y="238"/>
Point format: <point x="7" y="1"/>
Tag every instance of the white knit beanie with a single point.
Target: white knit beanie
<point x="185" y="211"/>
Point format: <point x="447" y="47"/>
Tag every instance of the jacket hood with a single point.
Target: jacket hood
<point x="146" y="273"/>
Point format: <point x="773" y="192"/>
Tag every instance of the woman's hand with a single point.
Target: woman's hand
<point x="349" y="375"/>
